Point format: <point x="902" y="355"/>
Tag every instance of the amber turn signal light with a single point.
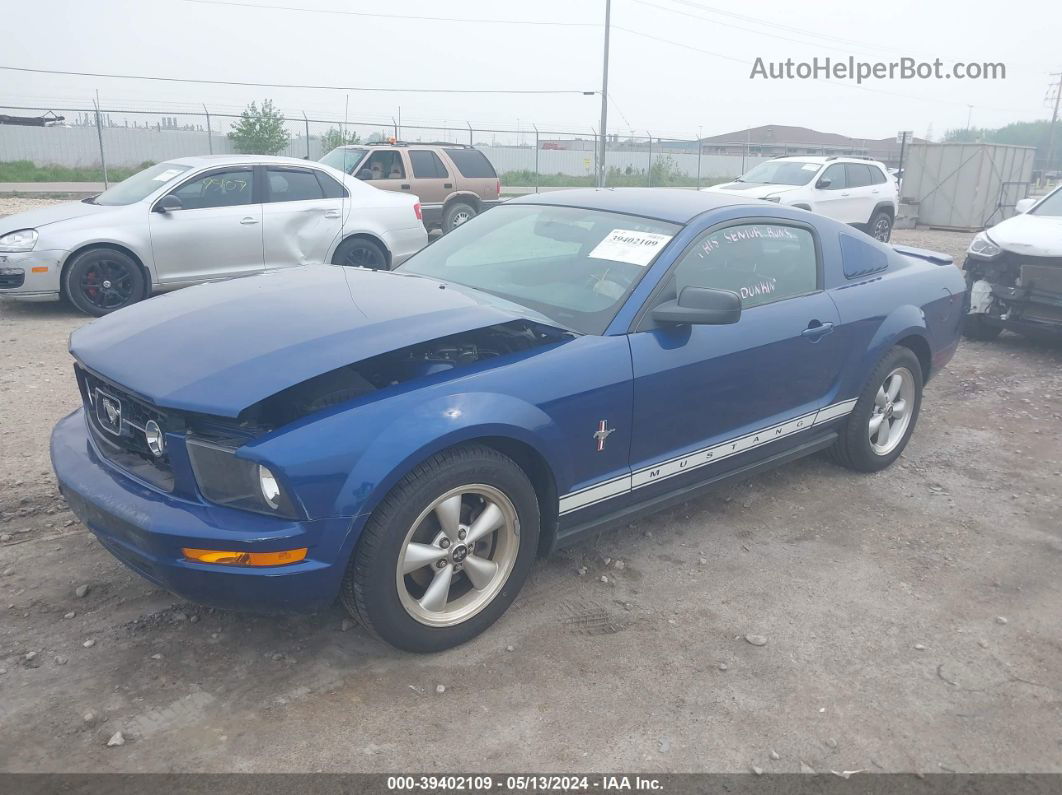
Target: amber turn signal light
<point x="245" y="558"/>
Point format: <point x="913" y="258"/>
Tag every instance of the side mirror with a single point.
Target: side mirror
<point x="1024" y="205"/>
<point x="168" y="204"/>
<point x="700" y="306"/>
<point x="825" y="182"/>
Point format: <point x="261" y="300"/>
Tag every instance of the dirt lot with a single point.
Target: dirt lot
<point x="912" y="619"/>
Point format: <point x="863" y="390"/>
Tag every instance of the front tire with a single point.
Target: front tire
<point x="446" y="551"/>
<point x="884" y="417"/>
<point x="102" y="280"/>
<point x="880" y="226"/>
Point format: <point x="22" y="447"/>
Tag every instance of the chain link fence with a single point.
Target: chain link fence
<point x="77" y="144"/>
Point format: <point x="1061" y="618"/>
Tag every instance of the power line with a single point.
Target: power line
<point x="299" y="86"/>
<point x="378" y="15"/>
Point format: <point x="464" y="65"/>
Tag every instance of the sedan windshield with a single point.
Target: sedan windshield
<point x="1052" y="205"/>
<point x="572" y="265"/>
<point x="344" y="158"/>
<point x="781" y="172"/>
<point x="140" y="185"/>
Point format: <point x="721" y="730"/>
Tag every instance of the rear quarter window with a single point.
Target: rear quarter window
<point x="472" y="163"/>
<point x="861" y="258"/>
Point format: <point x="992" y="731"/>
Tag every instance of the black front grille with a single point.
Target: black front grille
<point x="120" y="435"/>
<point x="11" y="278"/>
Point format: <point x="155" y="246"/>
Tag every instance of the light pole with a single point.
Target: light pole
<point x="604" y="100"/>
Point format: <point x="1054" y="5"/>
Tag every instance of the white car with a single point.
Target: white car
<point x="1014" y="272"/>
<point x="852" y="190"/>
<point x="197" y="219"/>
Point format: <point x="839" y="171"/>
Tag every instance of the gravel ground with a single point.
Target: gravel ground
<point x="911" y="618"/>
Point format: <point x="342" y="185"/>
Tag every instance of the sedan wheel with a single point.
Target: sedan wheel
<point x="457" y="555"/>
<point x="99" y="281"/>
<point x="360" y="252"/>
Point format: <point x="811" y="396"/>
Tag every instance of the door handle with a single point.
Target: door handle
<point x="331" y="213"/>
<point x="448" y="184"/>
<point x="248" y="221"/>
<point x="816" y="330"/>
<point x="405" y="187"/>
<point x="846" y="193"/>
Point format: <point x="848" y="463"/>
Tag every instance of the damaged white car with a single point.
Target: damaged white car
<point x="1014" y="273"/>
<point x="197" y="219"/>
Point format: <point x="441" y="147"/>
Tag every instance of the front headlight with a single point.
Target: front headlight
<point x="236" y="483"/>
<point x="19" y="240"/>
<point x="775" y="199"/>
<point x="983" y="246"/>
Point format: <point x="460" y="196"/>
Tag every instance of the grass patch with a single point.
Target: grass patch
<point x="27" y="171"/>
<point x="663" y="177"/>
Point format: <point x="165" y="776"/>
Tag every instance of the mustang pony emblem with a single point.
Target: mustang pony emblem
<point x="602" y="433"/>
<point x="109" y="413"/>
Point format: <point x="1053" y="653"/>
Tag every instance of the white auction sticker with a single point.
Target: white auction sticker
<point x="626" y="245"/>
<point x="810" y="167"/>
<point x="168" y="174"/>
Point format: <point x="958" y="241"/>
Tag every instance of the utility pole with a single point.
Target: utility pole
<point x="1054" y="121"/>
<point x="604" y="100"/>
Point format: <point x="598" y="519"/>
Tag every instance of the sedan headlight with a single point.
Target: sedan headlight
<point x="983" y="246"/>
<point x="236" y="483"/>
<point x="775" y="199"/>
<point x="19" y="240"/>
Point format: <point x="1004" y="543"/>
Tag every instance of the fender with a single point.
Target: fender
<point x="886" y="206"/>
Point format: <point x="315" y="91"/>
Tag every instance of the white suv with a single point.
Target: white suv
<point x="853" y="190"/>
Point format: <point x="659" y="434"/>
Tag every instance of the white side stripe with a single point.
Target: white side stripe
<point x="623" y="484"/>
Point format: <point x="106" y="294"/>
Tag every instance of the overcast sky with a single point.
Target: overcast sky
<point x="699" y="83"/>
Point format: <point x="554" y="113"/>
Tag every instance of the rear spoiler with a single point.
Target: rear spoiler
<point x="936" y="257"/>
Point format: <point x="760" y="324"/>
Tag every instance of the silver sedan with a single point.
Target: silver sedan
<point x="197" y="219"/>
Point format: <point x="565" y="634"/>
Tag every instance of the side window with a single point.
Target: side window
<point x="876" y="176"/>
<point x="382" y="165"/>
<point x="857" y="174"/>
<point x="835" y="174"/>
<point x="286" y="185"/>
<point x="762" y="263"/>
<point x="330" y="188"/>
<point x="217" y="189"/>
<point x="426" y="164"/>
<point x="471" y="163"/>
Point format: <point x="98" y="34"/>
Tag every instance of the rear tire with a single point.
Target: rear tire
<point x="880" y="226"/>
<point x="864" y="445"/>
<point x="420" y="539"/>
<point x="975" y="327"/>
<point x="456" y="214"/>
<point x="102" y="280"/>
<point x="360" y="252"/>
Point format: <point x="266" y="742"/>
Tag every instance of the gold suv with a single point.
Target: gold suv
<point x="454" y="182"/>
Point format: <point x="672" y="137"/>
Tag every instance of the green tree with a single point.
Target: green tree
<point x="336" y="137"/>
<point x="259" y="131"/>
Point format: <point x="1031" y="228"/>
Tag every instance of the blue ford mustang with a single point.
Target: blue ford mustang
<point x="409" y="441"/>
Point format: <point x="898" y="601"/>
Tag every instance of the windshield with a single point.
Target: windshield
<point x="344" y="158"/>
<point x="1052" y="205"/>
<point x="140" y="185"/>
<point x="781" y="172"/>
<point x="574" y="266"/>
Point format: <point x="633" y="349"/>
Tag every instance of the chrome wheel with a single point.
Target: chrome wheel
<point x="460" y="217"/>
<point x="458" y="554"/>
<point x="882" y="229"/>
<point x="891" y="415"/>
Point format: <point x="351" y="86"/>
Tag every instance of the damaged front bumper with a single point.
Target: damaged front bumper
<point x="1016" y="292"/>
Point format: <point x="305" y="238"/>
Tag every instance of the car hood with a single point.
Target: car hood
<point x="1034" y="235"/>
<point x="750" y="190"/>
<point x="34" y="219"/>
<point x="219" y="348"/>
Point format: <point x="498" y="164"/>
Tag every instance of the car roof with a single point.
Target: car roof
<point x="823" y="159"/>
<point x="201" y="161"/>
<point x="677" y="205"/>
